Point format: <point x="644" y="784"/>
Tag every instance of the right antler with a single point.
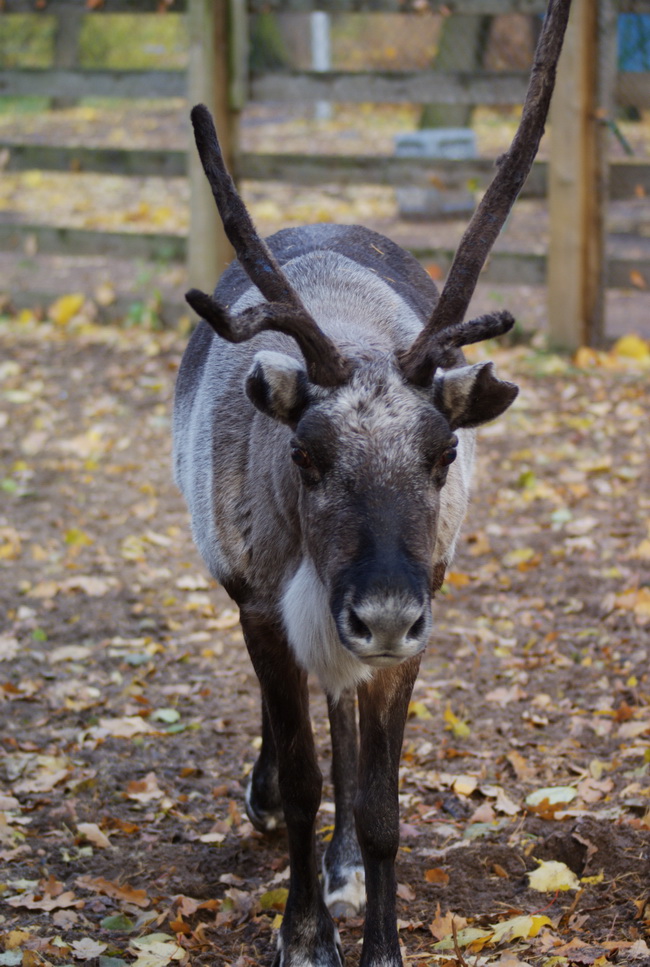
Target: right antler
<point x="284" y="311"/>
<point x="490" y="216"/>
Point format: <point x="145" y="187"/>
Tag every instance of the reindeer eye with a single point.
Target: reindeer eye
<point x="449" y="455"/>
<point x="301" y="458"/>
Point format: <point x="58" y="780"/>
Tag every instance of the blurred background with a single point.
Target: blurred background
<point x="383" y="113"/>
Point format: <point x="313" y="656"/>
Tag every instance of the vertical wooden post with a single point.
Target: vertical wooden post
<point x="66" y="48"/>
<point x="216" y="37"/>
<point x="578" y="184"/>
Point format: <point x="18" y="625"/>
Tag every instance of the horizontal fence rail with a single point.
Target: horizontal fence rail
<point x="489" y="88"/>
<point x="628" y="178"/>
<point x="503" y="268"/>
<point x="56" y="82"/>
<point x="475" y="7"/>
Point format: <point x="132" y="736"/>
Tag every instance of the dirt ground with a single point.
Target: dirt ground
<point x="130" y="712"/>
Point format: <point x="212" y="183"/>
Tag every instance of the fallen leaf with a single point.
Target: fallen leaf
<point x="465" y="785"/>
<point x="442" y="925"/>
<point x="518" y="928"/>
<point x="551" y="876"/>
<point x="274" y="899"/>
<point x="405" y="892"/>
<point x="632" y="347"/>
<point x="87" y="949"/>
<point x="437" y="875"/>
<point x="459" y="728"/>
<point x="66" y="308"/>
<point x="36" y="901"/>
<point x="553" y="795"/>
<point x="93" y="834"/>
<point x="144" y="790"/>
<point x="126" y="893"/>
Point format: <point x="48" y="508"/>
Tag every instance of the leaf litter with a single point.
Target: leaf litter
<point x="131" y="713"/>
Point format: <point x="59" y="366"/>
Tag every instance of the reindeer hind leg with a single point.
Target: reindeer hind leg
<point x="263" y="802"/>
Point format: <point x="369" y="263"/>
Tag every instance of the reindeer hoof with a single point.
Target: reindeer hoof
<point x="345" y="891"/>
<point x="264" y="820"/>
<point x="341" y="910"/>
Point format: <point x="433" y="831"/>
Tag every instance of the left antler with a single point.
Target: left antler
<point x="490" y="216"/>
<point x="284" y="311"/>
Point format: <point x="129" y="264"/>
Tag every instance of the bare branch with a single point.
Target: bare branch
<point x="513" y="169"/>
<point x="325" y="364"/>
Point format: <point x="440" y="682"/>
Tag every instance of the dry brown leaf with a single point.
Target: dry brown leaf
<point x="144" y="790"/>
<point x="442" y="925"/>
<point x="437" y="875"/>
<point x="126" y="893"/>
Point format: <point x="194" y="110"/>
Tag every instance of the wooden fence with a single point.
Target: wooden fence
<point x="217" y="75"/>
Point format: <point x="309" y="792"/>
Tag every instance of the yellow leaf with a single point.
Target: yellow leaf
<point x="519" y="556"/>
<point x="26" y="316"/>
<point x="464" y="938"/>
<point x="465" y="785"/>
<point x="10" y="544"/>
<point x="457" y="579"/>
<point x="33" y="178"/>
<point x="632" y="346"/>
<point x="585" y="357"/>
<point x="16" y="938"/>
<point x="552" y="876"/>
<point x="274" y="899"/>
<point x="132" y="548"/>
<point x="518" y="928"/>
<point x="593" y="879"/>
<point x="77" y="537"/>
<point x="459" y="728"/>
<point x="418" y="710"/>
<point x="65" y="308"/>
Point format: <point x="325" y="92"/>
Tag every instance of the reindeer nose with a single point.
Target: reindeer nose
<point x="385" y="627"/>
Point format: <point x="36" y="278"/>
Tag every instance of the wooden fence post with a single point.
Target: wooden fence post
<point x="216" y="77"/>
<point x="578" y="178"/>
<point x="66" y="48"/>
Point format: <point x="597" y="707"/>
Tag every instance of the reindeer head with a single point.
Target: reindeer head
<point x="374" y="439"/>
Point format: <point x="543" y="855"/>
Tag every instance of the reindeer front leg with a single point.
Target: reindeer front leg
<point x="308" y="936"/>
<point x="343" y="875"/>
<point x="383" y="705"/>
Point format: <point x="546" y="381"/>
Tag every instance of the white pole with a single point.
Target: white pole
<point x="321" y="56"/>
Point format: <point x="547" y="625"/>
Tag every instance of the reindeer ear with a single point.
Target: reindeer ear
<point x="472" y="395"/>
<point x="278" y="386"/>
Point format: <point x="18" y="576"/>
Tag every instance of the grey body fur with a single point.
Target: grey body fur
<point x="230" y="460"/>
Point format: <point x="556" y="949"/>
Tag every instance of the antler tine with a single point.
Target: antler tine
<point x="513" y="169"/>
<point x="252" y="251"/>
<point x="441" y="348"/>
<point x="325" y="364"/>
<point x="284" y="311"/>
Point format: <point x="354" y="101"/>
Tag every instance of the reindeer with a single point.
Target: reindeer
<point x="324" y="428"/>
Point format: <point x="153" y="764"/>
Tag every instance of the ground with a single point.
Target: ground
<point x="130" y="711"/>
